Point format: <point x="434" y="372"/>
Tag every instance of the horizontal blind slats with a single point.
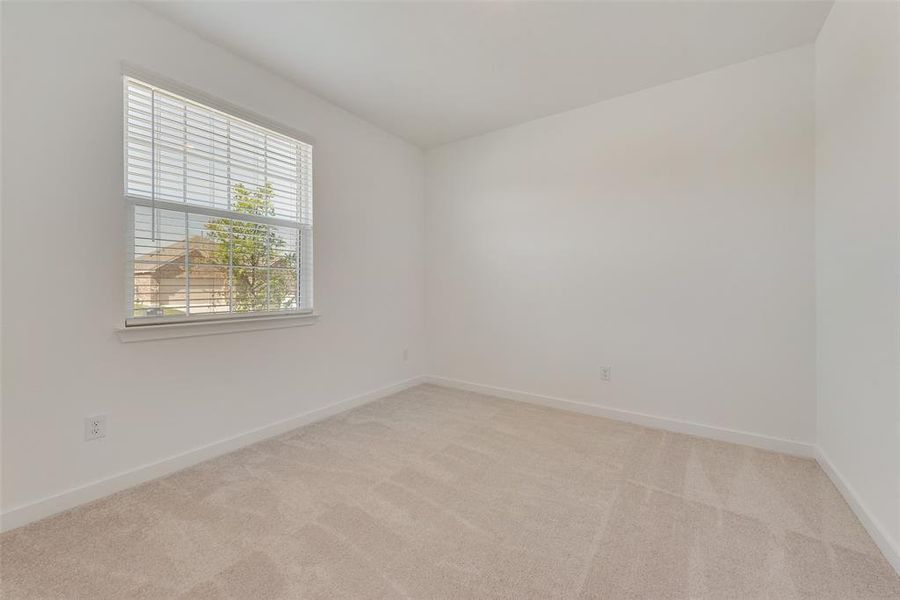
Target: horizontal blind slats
<point x="178" y="130"/>
<point x="214" y="137"/>
<point x="222" y="211"/>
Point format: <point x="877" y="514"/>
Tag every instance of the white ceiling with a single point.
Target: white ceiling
<point x="436" y="72"/>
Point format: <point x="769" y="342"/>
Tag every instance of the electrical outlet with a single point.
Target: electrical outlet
<point x="405" y="354"/>
<point x="605" y="372"/>
<point x="94" y="427"/>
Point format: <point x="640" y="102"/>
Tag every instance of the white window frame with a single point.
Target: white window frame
<point x="139" y="329"/>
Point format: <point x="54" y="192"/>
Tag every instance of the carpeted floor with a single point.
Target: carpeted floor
<point x="433" y="493"/>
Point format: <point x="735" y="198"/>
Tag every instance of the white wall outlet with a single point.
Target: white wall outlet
<point x="94" y="427"/>
<point x="605" y="373"/>
<point x="405" y="354"/>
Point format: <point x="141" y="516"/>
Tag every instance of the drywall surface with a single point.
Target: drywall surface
<point x="667" y="234"/>
<point x="64" y="248"/>
<point x="858" y="253"/>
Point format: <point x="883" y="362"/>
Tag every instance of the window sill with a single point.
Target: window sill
<point x="146" y="333"/>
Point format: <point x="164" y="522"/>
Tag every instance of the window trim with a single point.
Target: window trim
<point x="173" y="327"/>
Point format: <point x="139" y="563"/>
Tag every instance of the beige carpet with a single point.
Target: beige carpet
<point x="434" y="493"/>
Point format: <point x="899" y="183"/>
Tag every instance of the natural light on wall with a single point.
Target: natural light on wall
<point x="222" y="213"/>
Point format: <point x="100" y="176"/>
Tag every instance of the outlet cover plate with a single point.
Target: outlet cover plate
<point x="94" y="427"/>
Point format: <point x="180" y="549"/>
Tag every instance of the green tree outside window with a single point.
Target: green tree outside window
<point x="263" y="272"/>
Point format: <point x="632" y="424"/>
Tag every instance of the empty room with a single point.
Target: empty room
<point x="450" y="300"/>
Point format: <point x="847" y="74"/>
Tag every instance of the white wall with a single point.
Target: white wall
<point x="858" y="254"/>
<point x="667" y="233"/>
<point x="64" y="245"/>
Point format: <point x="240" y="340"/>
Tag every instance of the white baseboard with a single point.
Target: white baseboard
<point x="22" y="515"/>
<point x="890" y="548"/>
<point x="756" y="440"/>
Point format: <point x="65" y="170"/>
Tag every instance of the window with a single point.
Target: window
<point x="221" y="222"/>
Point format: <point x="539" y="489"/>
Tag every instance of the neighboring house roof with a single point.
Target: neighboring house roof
<point x="168" y="261"/>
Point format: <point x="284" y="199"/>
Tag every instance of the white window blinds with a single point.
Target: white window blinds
<point x="222" y="212"/>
